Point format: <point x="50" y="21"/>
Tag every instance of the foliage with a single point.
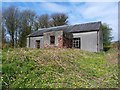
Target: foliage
<point x="20" y="23"/>
<point x="59" y="19"/>
<point x="27" y="20"/>
<point x="11" y="22"/>
<point x="106" y="36"/>
<point x="43" y="21"/>
<point x="58" y="68"/>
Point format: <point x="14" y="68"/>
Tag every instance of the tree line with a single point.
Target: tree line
<point x="18" y="24"/>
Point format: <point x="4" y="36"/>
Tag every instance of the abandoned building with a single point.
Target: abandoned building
<point x="86" y="36"/>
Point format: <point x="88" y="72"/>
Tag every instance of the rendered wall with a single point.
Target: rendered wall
<point x="88" y="40"/>
<point x="32" y="43"/>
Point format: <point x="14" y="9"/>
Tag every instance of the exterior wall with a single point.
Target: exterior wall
<point x="27" y="42"/>
<point x="67" y="40"/>
<point x="88" y="40"/>
<point x="58" y="39"/>
<point x="100" y="40"/>
<point x="67" y="43"/>
<point x="33" y="42"/>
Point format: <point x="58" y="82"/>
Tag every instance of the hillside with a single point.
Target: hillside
<point x="58" y="68"/>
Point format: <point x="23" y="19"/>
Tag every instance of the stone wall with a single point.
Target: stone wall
<point x="58" y="39"/>
<point x="67" y="43"/>
<point x="62" y="39"/>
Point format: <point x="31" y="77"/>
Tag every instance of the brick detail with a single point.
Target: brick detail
<point x="67" y="43"/>
<point x="60" y="41"/>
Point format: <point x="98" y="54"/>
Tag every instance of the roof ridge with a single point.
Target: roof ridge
<point x="88" y="23"/>
<point x="53" y="27"/>
<point x="69" y="25"/>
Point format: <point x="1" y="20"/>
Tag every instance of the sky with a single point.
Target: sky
<point x="78" y="12"/>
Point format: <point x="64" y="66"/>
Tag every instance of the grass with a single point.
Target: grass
<point x="57" y="68"/>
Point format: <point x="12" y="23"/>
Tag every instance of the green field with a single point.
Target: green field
<point x="58" y="68"/>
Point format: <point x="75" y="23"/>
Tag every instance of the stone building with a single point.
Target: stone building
<point x="86" y="36"/>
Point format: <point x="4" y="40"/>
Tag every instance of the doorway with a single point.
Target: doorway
<point x="37" y="43"/>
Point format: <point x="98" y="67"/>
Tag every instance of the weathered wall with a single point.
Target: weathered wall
<point x="67" y="43"/>
<point x="61" y="40"/>
<point x="33" y="42"/>
<point x="67" y="40"/>
<point x="88" y="40"/>
<point x="58" y="39"/>
<point x="100" y="40"/>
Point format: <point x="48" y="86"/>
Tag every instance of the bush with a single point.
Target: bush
<point x="106" y="48"/>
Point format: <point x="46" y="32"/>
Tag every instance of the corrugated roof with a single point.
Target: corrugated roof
<point x="93" y="26"/>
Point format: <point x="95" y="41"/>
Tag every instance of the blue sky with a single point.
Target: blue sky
<point x="78" y="12"/>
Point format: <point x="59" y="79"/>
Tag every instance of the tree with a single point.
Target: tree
<point x="43" y="21"/>
<point x="11" y="18"/>
<point x="3" y="35"/>
<point x="106" y="36"/>
<point x="27" y="26"/>
<point x="0" y="29"/>
<point x="59" y="19"/>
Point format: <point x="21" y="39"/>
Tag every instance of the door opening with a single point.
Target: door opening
<point x="37" y="43"/>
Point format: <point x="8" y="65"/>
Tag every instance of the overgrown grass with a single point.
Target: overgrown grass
<point x="57" y="68"/>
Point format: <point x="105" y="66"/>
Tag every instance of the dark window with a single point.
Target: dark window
<point x="52" y="39"/>
<point x="37" y="43"/>
<point x="76" y="42"/>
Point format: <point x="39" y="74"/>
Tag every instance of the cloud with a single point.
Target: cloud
<point x="93" y="0"/>
<point x="81" y="12"/>
<point x="61" y="0"/>
<point x="105" y="12"/>
<point x="53" y="7"/>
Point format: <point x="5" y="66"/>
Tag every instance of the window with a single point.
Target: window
<point x="52" y="39"/>
<point x="37" y="43"/>
<point x="76" y="42"/>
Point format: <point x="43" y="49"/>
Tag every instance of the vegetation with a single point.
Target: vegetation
<point x="59" y="19"/>
<point x="106" y="36"/>
<point x="18" y="24"/>
<point x="58" y="68"/>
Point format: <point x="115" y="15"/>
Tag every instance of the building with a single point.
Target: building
<point x="86" y="36"/>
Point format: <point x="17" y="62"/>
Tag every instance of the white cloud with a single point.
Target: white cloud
<point x="93" y="0"/>
<point x="93" y="10"/>
<point x="106" y="12"/>
<point x="53" y="7"/>
<point x="60" y="0"/>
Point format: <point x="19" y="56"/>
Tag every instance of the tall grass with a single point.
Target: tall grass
<point x="58" y="68"/>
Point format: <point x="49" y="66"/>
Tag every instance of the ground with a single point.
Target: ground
<point x="58" y="68"/>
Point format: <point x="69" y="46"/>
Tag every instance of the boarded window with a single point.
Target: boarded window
<point x="76" y="42"/>
<point x="52" y="39"/>
<point x="37" y="43"/>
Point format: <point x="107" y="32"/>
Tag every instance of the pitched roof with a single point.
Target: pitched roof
<point x="93" y="26"/>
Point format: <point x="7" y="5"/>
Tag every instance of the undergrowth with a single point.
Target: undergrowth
<point x="57" y="68"/>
